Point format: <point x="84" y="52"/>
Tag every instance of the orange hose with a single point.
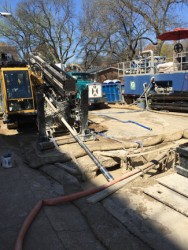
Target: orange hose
<point x="60" y="200"/>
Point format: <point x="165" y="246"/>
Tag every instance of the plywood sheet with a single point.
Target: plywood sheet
<point x="176" y="182"/>
<point x="169" y="198"/>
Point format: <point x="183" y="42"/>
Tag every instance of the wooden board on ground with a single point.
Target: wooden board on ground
<point x="169" y="198"/>
<point x="176" y="182"/>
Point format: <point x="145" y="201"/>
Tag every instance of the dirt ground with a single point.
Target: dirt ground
<point x="126" y="219"/>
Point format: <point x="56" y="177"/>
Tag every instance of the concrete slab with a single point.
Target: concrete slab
<point x="8" y="236"/>
<point x="70" y="183"/>
<point x="66" y="217"/>
<point x="36" y="158"/>
<point x="127" y="220"/>
<point x="41" y="235"/>
<point x="80" y="240"/>
<point x="111" y="233"/>
<point x="156" y="224"/>
<point x="16" y="198"/>
<point x="42" y="186"/>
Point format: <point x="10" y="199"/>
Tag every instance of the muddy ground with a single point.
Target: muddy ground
<point x="126" y="219"/>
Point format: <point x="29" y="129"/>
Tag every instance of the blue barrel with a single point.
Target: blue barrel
<point x="112" y="91"/>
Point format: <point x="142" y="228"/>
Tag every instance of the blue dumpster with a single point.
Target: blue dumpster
<point x="112" y="91"/>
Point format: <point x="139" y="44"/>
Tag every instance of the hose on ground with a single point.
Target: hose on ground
<point x="68" y="198"/>
<point x="127" y="121"/>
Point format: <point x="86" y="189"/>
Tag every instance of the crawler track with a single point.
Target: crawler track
<point x="171" y="102"/>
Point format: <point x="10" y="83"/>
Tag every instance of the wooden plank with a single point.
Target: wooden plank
<point x="169" y="198"/>
<point x="112" y="189"/>
<point x="127" y="178"/>
<point x="176" y="182"/>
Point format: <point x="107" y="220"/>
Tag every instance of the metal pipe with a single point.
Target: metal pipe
<point x="103" y="170"/>
<point x="142" y="170"/>
<point x="146" y="97"/>
<point x="109" y="137"/>
<point x="152" y="59"/>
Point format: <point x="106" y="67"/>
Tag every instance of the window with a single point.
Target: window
<point x="17" y="84"/>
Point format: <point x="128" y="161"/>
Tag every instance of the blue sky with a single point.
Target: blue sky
<point x="182" y="12"/>
<point x="13" y="3"/>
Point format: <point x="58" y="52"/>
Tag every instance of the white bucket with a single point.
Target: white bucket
<point x="6" y="161"/>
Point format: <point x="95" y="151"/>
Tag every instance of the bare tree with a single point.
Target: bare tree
<point x="119" y="28"/>
<point x="107" y="28"/>
<point x="110" y="28"/>
<point x="158" y="14"/>
<point x="95" y="34"/>
<point x="46" y="25"/>
<point x="130" y="27"/>
<point x="15" y="32"/>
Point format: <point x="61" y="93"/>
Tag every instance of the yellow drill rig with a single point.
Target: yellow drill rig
<point x="17" y="92"/>
<point x="24" y="91"/>
<point x="23" y="86"/>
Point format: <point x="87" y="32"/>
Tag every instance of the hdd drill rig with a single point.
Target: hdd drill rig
<point x="27" y="91"/>
<point x="58" y="91"/>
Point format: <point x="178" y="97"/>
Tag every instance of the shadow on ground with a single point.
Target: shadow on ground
<point x="110" y="224"/>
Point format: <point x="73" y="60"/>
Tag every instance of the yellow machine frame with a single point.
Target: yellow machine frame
<point x="5" y="97"/>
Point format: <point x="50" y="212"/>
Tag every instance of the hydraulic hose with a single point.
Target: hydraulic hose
<point x="60" y="200"/>
<point x="128" y="121"/>
<point x="68" y="198"/>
